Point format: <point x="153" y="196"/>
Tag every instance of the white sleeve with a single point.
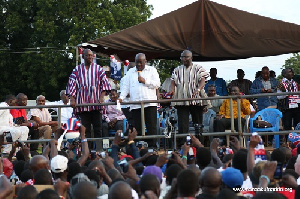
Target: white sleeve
<point x="154" y="81"/>
<point x="125" y="85"/>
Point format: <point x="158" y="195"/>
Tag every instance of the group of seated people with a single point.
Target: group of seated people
<point x="124" y="171"/>
<point x="265" y="82"/>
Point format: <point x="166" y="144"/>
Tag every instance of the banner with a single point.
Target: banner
<point x="115" y="65"/>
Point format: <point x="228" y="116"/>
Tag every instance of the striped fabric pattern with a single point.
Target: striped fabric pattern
<point x="72" y="125"/>
<point x="86" y="86"/>
<point x="187" y="81"/>
<point x="291" y="86"/>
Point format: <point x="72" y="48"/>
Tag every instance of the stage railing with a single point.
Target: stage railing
<point x="142" y="103"/>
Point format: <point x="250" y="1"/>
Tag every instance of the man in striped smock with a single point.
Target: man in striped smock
<point x="188" y="81"/>
<point x="88" y="84"/>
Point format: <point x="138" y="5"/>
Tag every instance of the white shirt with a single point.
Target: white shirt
<point x="139" y="91"/>
<point x="6" y="119"/>
<point x="43" y="114"/>
<point x="66" y="113"/>
<point x="126" y="99"/>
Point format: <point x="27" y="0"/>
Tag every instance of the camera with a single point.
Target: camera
<point x="7" y="137"/>
<point x="123" y="165"/>
<point x="19" y="120"/>
<point x="170" y="154"/>
<point x="122" y="136"/>
<point x="188" y="140"/>
<point x="76" y="141"/>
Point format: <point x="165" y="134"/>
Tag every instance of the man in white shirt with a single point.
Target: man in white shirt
<point x="43" y="118"/>
<point x="66" y="113"/>
<point x="7" y="125"/>
<point x="141" y="83"/>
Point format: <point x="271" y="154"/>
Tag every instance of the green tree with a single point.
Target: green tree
<point x="38" y="38"/>
<point x="292" y="62"/>
<point x="164" y="67"/>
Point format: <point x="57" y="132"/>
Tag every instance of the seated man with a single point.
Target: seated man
<point x="43" y="118"/>
<point x="223" y="120"/>
<point x="216" y="103"/>
<point x="112" y="118"/>
<point x="19" y="115"/>
<point x="66" y="113"/>
<point x="7" y="125"/>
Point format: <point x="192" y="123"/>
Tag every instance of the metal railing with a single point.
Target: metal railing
<point x="142" y="103"/>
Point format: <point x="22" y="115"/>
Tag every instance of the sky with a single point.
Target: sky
<point x="287" y="10"/>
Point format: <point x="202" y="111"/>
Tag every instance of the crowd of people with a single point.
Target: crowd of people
<point x="126" y="171"/>
<point x="79" y="164"/>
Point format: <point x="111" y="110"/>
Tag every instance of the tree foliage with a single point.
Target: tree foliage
<point x="292" y="62"/>
<point x="165" y="67"/>
<point x="38" y="37"/>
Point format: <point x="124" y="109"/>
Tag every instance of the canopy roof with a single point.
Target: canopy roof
<point x="210" y="30"/>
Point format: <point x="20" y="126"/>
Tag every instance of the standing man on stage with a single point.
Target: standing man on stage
<point x="88" y="84"/>
<point x="141" y="83"/>
<point x="189" y="81"/>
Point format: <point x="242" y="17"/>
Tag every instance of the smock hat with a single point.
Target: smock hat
<point x="59" y="164"/>
<point x="154" y="170"/>
<point x="232" y="177"/>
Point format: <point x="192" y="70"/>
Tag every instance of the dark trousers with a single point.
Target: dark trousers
<point x="183" y="113"/>
<point x="94" y="118"/>
<point x="106" y="127"/>
<point x="128" y="115"/>
<point x="225" y="123"/>
<point x="289" y="115"/>
<point x="34" y="135"/>
<point x="150" y="121"/>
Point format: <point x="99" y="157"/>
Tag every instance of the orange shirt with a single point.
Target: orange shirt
<point x="225" y="108"/>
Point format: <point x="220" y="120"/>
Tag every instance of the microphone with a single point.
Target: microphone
<point x="139" y="73"/>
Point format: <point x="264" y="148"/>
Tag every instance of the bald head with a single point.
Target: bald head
<point x="87" y="56"/>
<point x="186" y="58"/>
<point x="84" y="189"/>
<point x="120" y="190"/>
<point x="22" y="99"/>
<point x="210" y="180"/>
<point x="38" y="162"/>
<point x="95" y="165"/>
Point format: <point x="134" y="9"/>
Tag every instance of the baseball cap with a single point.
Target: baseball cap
<point x="59" y="164"/>
<point x="232" y="177"/>
<point x="154" y="170"/>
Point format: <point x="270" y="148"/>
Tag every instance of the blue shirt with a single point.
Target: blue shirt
<point x="220" y="84"/>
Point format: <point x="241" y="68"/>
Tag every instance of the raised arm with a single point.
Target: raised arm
<point x="85" y="147"/>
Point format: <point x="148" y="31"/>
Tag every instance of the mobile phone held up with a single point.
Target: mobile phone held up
<point x="188" y="140"/>
<point x="7" y="137"/>
<point x="122" y="136"/>
<point x="123" y="165"/>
